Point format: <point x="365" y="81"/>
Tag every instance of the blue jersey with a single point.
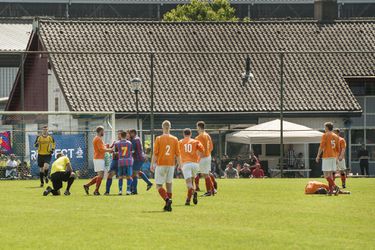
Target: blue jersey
<point x="125" y="154"/>
<point x="139" y="155"/>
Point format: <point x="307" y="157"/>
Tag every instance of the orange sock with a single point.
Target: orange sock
<point x="92" y="182"/>
<point x="190" y="193"/>
<point x="98" y="182"/>
<point x="169" y="195"/>
<point x="163" y="193"/>
<point x="343" y="178"/>
<point x="212" y="177"/>
<point x="209" y="185"/>
<point x="196" y="180"/>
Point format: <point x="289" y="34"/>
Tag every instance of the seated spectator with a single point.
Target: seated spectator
<point x="245" y="172"/>
<point x="258" y="172"/>
<point x="238" y="167"/>
<point x="230" y="172"/>
<point x="11" y="168"/>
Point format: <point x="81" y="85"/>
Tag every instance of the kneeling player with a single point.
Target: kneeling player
<point x="189" y="149"/>
<point x="166" y="151"/>
<point x="125" y="162"/>
<point x="61" y="171"/>
<point x="317" y="187"/>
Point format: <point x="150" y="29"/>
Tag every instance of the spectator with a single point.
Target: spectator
<point x="214" y="166"/>
<point x="146" y="167"/>
<point x="238" y="167"/>
<point x="245" y="172"/>
<point x="363" y="157"/>
<point x="253" y="160"/>
<point x="238" y="160"/>
<point x="299" y="164"/>
<point x="258" y="172"/>
<point x="291" y="156"/>
<point x="11" y="169"/>
<point x="230" y="172"/>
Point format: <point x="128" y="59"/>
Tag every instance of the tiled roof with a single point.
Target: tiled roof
<point x="210" y="83"/>
<point x="14" y="35"/>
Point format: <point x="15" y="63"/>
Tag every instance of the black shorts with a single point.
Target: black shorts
<point x="57" y="179"/>
<point x="44" y="159"/>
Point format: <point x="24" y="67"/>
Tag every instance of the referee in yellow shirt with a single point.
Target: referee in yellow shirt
<point x="61" y="171"/>
<point x="46" y="146"/>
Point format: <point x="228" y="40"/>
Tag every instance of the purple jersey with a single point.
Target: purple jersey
<point x="114" y="154"/>
<point x="138" y="150"/>
<point x="124" y="149"/>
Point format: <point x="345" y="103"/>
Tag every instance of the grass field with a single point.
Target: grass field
<point x="246" y="214"/>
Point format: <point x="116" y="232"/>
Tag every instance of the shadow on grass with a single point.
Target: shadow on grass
<point x="35" y="187"/>
<point x="153" y="212"/>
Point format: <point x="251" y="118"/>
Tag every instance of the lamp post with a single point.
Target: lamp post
<point x="136" y="86"/>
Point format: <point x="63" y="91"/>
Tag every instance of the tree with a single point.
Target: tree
<point x="202" y="10"/>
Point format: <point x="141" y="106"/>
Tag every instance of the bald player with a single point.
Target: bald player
<point x="190" y="150"/>
<point x="166" y="153"/>
<point x="341" y="165"/>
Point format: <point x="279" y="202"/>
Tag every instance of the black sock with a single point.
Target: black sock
<point x="70" y="182"/>
<point x="41" y="174"/>
<point x="46" y="173"/>
<point x="55" y="192"/>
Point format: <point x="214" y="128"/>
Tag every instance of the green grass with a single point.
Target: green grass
<point x="246" y="214"/>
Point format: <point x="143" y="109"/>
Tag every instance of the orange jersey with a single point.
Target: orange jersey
<point x="206" y="141"/>
<point x="313" y="186"/>
<point x="189" y="149"/>
<point x="99" y="147"/>
<point x="330" y="145"/>
<point x="342" y="145"/>
<point x="166" y="150"/>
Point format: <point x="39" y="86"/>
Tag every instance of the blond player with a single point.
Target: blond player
<point x="341" y="165"/>
<point x="205" y="162"/>
<point x="166" y="153"/>
<point x="190" y="152"/>
<point x="329" y="146"/>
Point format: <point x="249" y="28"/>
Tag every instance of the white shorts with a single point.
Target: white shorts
<point x="190" y="169"/>
<point x="329" y="164"/>
<point x="99" y="165"/>
<point x="205" y="165"/>
<point x="341" y="166"/>
<point x="164" y="174"/>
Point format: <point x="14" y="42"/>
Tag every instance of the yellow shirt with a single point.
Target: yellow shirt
<point x="60" y="164"/>
<point x="45" y="144"/>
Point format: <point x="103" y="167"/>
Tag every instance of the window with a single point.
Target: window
<point x="56" y="104"/>
<point x="355" y="150"/>
<point x="370" y="136"/>
<point x="357" y="136"/>
<point x="272" y="149"/>
<point x="257" y="148"/>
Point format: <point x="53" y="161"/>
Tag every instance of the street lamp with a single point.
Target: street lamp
<point x="136" y="87"/>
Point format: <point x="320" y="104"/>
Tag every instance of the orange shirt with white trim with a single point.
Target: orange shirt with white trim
<point x="330" y="145"/>
<point x="206" y="141"/>
<point x="99" y="148"/>
<point x="342" y="145"/>
<point x="189" y="149"/>
<point x="166" y="150"/>
<point x="314" y="186"/>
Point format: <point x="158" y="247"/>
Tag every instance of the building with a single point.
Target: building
<point x="191" y="87"/>
<point x="155" y="9"/>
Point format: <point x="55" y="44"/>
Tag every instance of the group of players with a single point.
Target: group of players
<point x="192" y="156"/>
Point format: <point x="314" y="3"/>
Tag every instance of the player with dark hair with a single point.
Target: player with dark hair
<point x="166" y="152"/>
<point x="190" y="150"/>
<point x="205" y="162"/>
<point x="139" y="159"/>
<point x="45" y="145"/>
<point x="113" y="169"/>
<point x="329" y="146"/>
<point x="99" y="165"/>
<point x="124" y="149"/>
<point x="341" y="165"/>
<point x="317" y="187"/>
<point x="61" y="171"/>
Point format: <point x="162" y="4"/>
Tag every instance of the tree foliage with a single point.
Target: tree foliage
<point x="202" y="10"/>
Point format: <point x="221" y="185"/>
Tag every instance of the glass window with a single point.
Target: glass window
<point x="357" y="136"/>
<point x="370" y="136"/>
<point x="355" y="150"/>
<point x="370" y="88"/>
<point x="371" y="151"/>
<point x="272" y="149"/>
<point x="370" y="105"/>
<point x="257" y="148"/>
<point x="357" y="87"/>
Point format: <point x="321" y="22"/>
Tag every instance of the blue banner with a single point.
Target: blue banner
<point x="73" y="146"/>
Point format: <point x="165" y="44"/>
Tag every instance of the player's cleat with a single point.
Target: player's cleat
<point x="168" y="205"/>
<point x="149" y="187"/>
<point x="343" y="185"/>
<point x="106" y="193"/>
<point x="215" y="191"/>
<point x="207" y="194"/>
<point x="46" y="180"/>
<point x="66" y="193"/>
<point x="187" y="203"/>
<point x="195" y="198"/>
<point x="128" y="193"/>
<point x="337" y="190"/>
<point x="133" y="193"/>
<point x="197" y="189"/>
<point x="86" y="188"/>
<point x="41" y="185"/>
<point x="120" y="193"/>
<point x="96" y="193"/>
<point x="47" y="191"/>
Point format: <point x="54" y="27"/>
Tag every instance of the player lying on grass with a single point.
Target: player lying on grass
<point x="329" y="146"/>
<point x="124" y="149"/>
<point x="139" y="159"/>
<point x="166" y="152"/>
<point x="99" y="165"/>
<point x="61" y="171"/>
<point x="341" y="165"/>
<point x="190" y="150"/>
<point x="317" y="187"/>
<point x="113" y="168"/>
